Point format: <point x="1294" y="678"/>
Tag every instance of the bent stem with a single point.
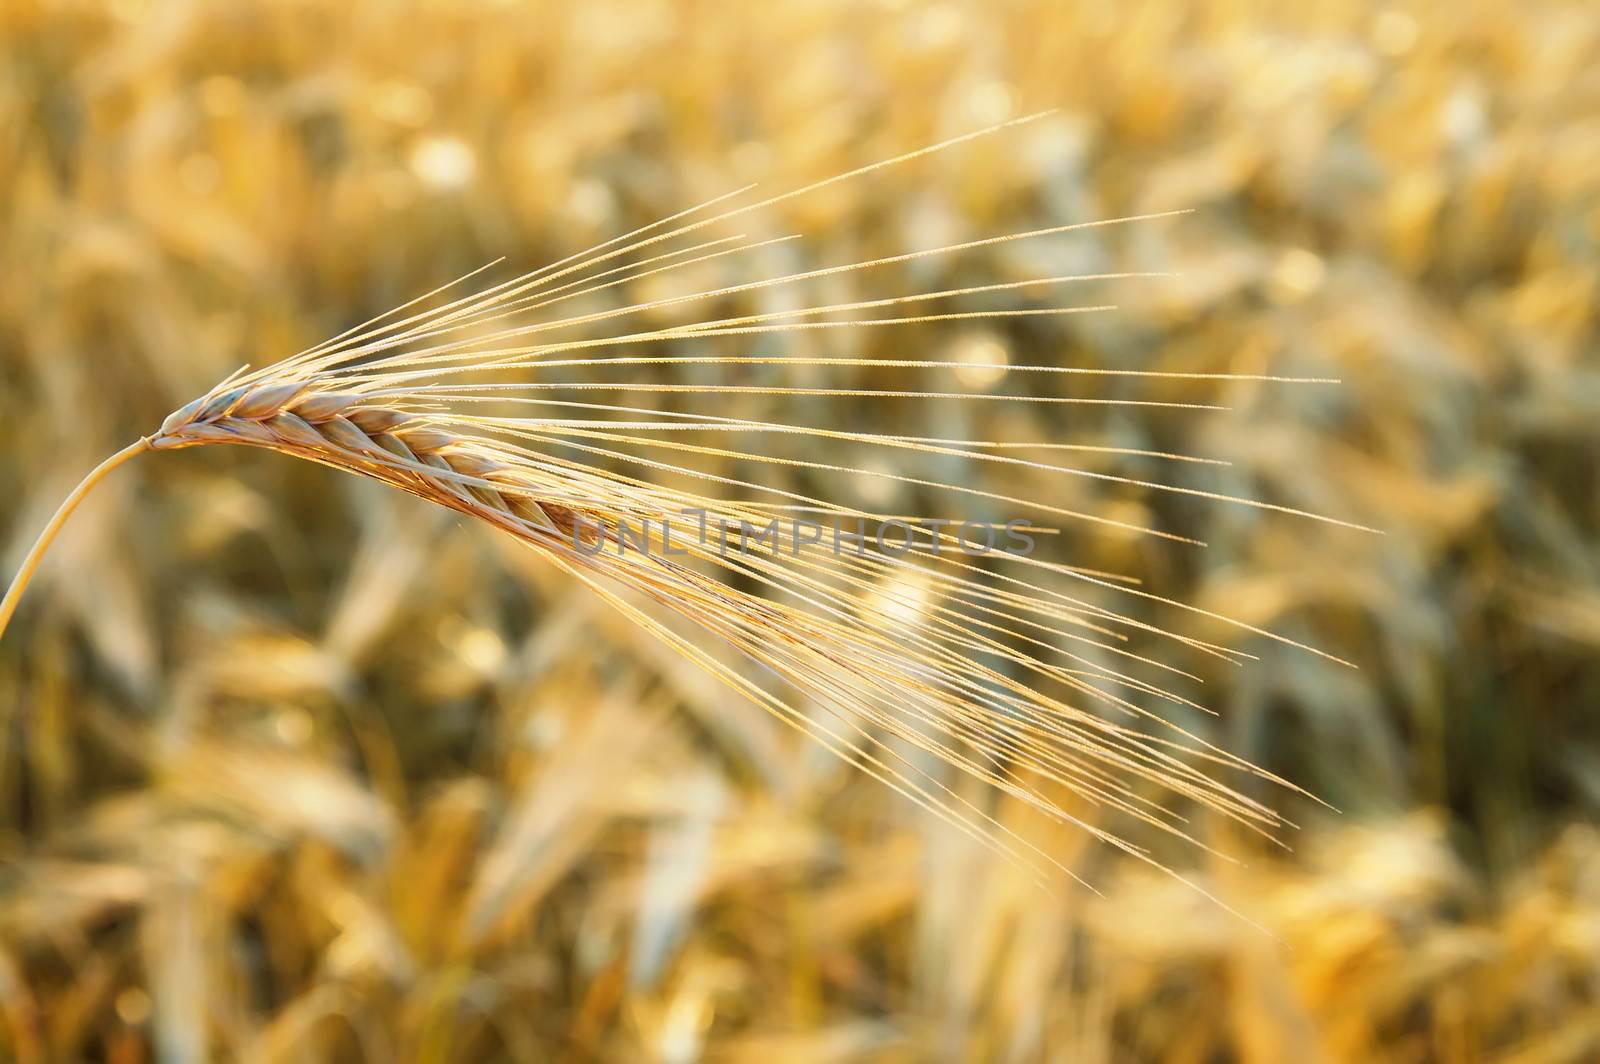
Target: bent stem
<point x="8" y="606"/>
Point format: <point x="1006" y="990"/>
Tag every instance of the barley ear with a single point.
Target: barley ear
<point x="8" y="605"/>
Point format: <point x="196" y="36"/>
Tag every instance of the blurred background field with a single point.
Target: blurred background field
<point x="294" y="768"/>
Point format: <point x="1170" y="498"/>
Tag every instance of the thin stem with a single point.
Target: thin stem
<point x="8" y="606"/>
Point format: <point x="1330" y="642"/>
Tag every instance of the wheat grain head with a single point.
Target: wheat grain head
<point x="903" y="663"/>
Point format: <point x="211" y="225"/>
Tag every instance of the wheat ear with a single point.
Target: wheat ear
<point x="894" y="659"/>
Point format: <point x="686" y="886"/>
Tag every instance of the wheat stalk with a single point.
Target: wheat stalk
<point x="895" y="659"/>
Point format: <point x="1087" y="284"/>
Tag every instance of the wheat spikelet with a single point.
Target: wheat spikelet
<point x="899" y="662"/>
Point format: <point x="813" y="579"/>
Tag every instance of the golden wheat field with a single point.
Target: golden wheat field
<point x="296" y="766"/>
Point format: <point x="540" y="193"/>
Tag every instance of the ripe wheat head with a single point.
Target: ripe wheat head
<point x="1001" y="674"/>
